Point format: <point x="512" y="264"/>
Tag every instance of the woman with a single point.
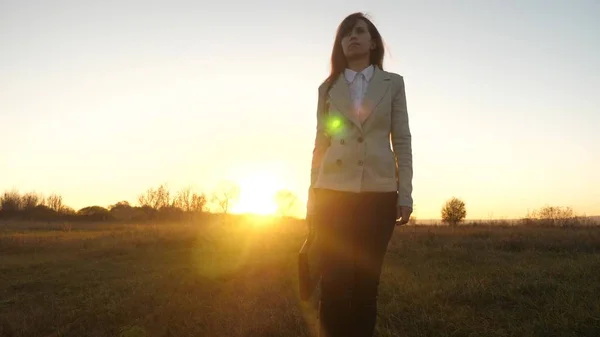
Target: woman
<point x="360" y="186"/>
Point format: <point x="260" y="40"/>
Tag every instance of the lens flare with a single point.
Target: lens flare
<point x="334" y="125"/>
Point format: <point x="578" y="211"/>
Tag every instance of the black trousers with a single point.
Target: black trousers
<point x="356" y="229"/>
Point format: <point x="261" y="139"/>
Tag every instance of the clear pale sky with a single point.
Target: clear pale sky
<point x="101" y="100"/>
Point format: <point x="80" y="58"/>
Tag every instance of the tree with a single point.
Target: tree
<point x="122" y="210"/>
<point x="156" y="199"/>
<point x="183" y="199"/>
<point x="225" y="195"/>
<point x="66" y="210"/>
<point x="31" y="200"/>
<point x="190" y="201"/>
<point x="198" y="202"/>
<point x="120" y="205"/>
<point x="11" y="202"/>
<point x="55" y="203"/>
<point x="157" y="203"/>
<point x="286" y="202"/>
<point x="454" y="211"/>
<point x="42" y="212"/>
<point x="95" y="213"/>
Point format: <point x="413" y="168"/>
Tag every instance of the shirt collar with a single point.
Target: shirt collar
<point x="350" y="74"/>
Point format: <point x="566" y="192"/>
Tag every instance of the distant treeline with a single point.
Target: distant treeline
<point x="34" y="207"/>
<point x="154" y="204"/>
<point x="161" y="204"/>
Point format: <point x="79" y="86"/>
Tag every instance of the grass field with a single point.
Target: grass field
<point x="238" y="278"/>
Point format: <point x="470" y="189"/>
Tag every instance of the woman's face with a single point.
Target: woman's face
<point x="357" y="43"/>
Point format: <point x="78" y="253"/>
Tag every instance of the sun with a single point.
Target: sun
<point x="257" y="191"/>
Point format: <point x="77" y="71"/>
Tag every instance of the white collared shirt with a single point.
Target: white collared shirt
<point x="358" y="83"/>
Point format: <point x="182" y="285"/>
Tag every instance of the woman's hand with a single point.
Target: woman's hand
<point x="403" y="215"/>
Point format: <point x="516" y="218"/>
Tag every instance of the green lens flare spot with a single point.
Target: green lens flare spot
<point x="335" y="125"/>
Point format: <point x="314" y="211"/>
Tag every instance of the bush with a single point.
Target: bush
<point x="554" y="216"/>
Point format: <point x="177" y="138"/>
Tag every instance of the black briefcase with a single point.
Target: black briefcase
<point x="309" y="262"/>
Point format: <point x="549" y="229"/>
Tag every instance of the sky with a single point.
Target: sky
<point x="101" y="100"/>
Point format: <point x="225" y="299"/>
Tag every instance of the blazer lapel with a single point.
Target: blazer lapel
<point x="379" y="85"/>
<point x="340" y="97"/>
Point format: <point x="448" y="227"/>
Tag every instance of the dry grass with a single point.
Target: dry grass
<point x="239" y="279"/>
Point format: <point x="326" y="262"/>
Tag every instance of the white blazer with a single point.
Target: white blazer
<point x="358" y="157"/>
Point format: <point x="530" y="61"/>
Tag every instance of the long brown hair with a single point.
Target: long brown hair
<point x="338" y="59"/>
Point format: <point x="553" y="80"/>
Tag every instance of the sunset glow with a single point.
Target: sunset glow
<point x="101" y="101"/>
<point x="257" y="191"/>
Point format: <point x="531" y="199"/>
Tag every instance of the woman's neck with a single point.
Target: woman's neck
<point x="358" y="65"/>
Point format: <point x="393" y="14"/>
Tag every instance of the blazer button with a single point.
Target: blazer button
<point x="360" y="163"/>
<point x="339" y="162"/>
<point x="342" y="141"/>
<point x="360" y="139"/>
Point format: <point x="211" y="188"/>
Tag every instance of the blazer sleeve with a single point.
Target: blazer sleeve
<point x="401" y="145"/>
<point x="320" y="145"/>
<point x="321" y="140"/>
